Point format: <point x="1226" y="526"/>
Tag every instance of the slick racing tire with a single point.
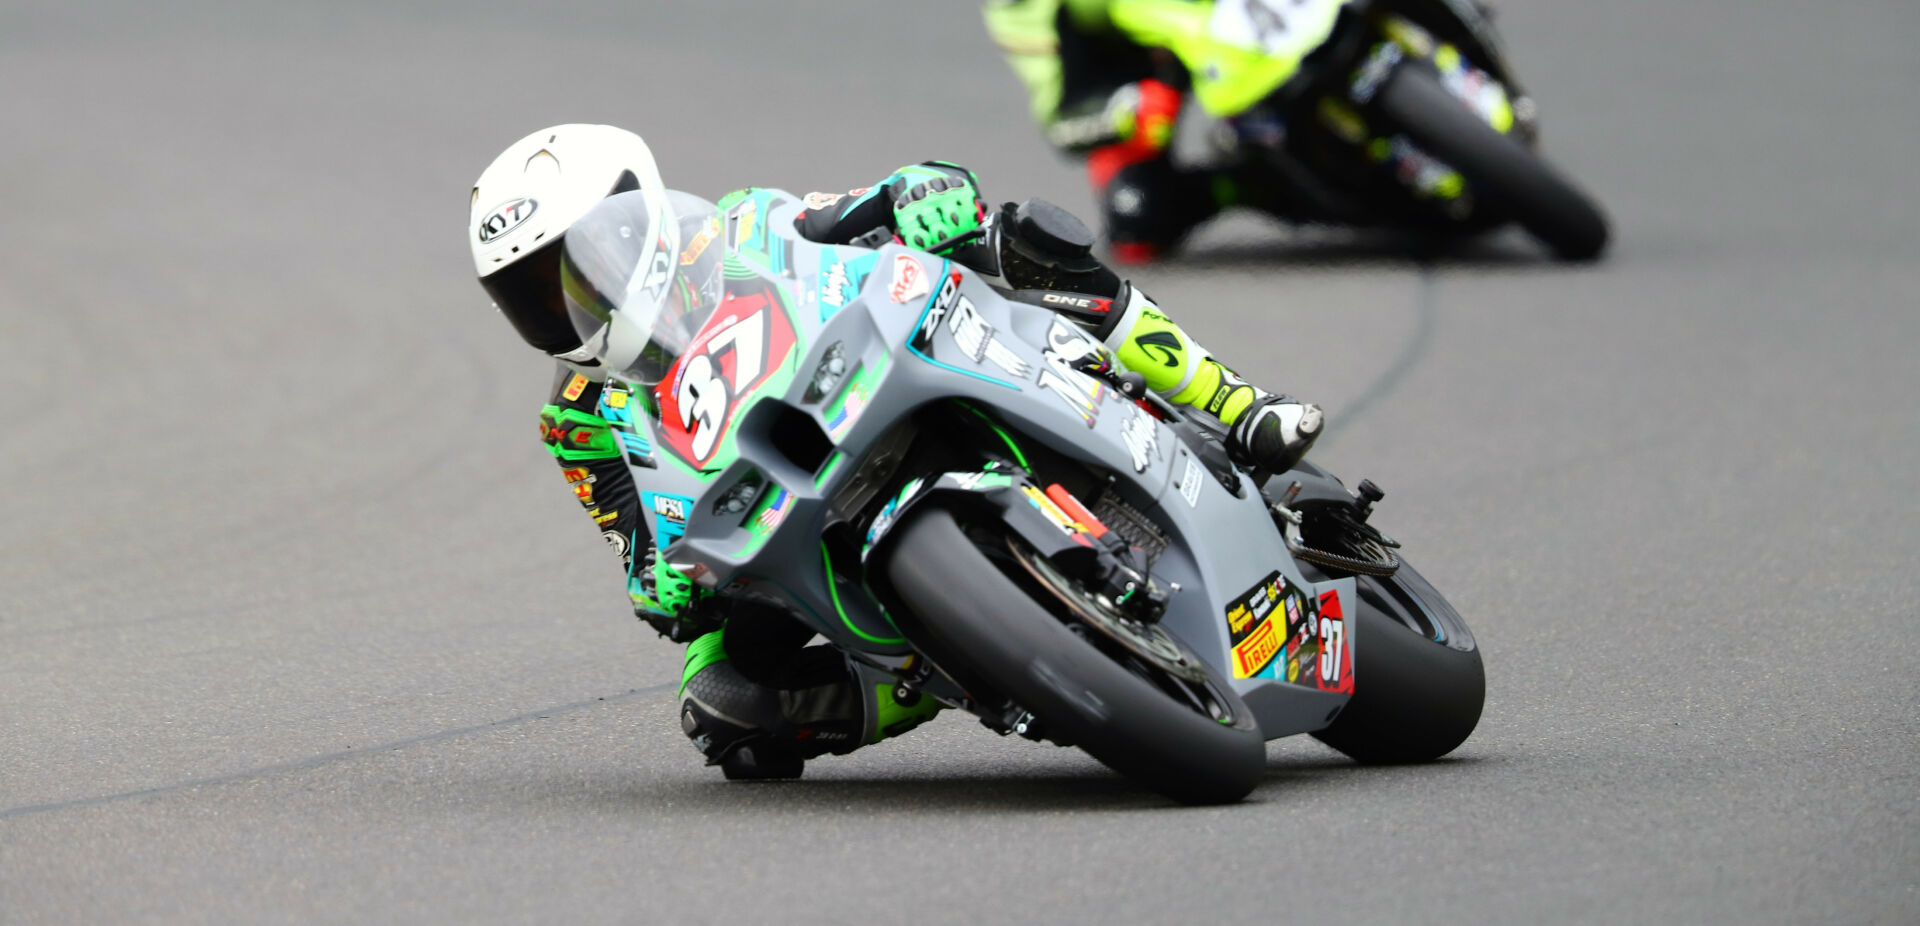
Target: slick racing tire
<point x="968" y="610"/>
<point x="1503" y="173"/>
<point x="1418" y="682"/>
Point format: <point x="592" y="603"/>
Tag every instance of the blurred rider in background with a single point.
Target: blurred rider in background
<point x="757" y="700"/>
<point x="1099" y="95"/>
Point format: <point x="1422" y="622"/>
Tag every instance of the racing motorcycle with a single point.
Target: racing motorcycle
<point x="1397" y="113"/>
<point x="953" y="485"/>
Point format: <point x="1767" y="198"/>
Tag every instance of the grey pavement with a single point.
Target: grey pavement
<point x="298" y="623"/>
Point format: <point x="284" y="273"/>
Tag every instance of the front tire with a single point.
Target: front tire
<point x="1418" y="681"/>
<point x="967" y="610"/>
<point x="1502" y="172"/>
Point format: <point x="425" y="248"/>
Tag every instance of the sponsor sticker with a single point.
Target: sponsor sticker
<point x="1256" y="639"/>
<point x="698" y="245"/>
<point x="1066" y="346"/>
<point x="1336" y="658"/>
<point x="1256" y="651"/>
<point x="776" y="509"/>
<point x="1141" y="436"/>
<point x="670" y="507"/>
<point x="822" y="200"/>
<point x="575" y="386"/>
<point x="1190" y="483"/>
<point x="834" y="286"/>
<point x="617" y="541"/>
<point x="909" y="280"/>
<point x="1083" y="303"/>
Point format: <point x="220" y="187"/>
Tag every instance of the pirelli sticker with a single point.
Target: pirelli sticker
<point x="1256" y="639"/>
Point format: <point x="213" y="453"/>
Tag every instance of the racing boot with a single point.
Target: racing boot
<point x="1264" y="432"/>
<point x="732" y="721"/>
<point x="753" y="731"/>
<point x="1274" y="433"/>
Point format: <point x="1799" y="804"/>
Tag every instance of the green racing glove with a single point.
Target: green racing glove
<point x="939" y="208"/>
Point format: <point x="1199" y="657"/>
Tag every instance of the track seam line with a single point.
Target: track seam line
<point x="311" y="762"/>
<point x="1411" y="353"/>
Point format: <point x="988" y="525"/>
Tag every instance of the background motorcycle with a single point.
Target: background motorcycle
<point x="953" y="488"/>
<point x="1399" y="113"/>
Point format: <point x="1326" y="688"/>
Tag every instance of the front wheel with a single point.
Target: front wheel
<point x="1198" y="749"/>
<point x="1418" y="681"/>
<point x="1503" y="173"/>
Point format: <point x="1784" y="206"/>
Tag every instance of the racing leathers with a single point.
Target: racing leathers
<point x="1098" y="94"/>
<point x="755" y="699"/>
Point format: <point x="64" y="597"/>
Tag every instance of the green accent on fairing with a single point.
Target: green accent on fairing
<point x="705" y="650"/>
<point x="827" y="469"/>
<point x="1005" y="437"/>
<point x="891" y="718"/>
<point x="1227" y="78"/>
<point x="833" y="591"/>
<point x="600" y="444"/>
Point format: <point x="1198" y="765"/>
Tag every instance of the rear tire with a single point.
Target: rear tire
<point x="1415" y="697"/>
<point x="1503" y="173"/>
<point x="966" y="609"/>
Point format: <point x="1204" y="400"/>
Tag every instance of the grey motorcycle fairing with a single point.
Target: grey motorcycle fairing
<point x="955" y="338"/>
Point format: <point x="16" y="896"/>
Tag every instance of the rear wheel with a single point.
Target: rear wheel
<point x="1183" y="732"/>
<point x="1418" y="681"/>
<point x="1503" y="173"/>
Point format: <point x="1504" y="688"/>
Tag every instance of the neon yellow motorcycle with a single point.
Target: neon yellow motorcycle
<point x="1398" y="113"/>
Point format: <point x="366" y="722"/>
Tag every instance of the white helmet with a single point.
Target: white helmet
<point x="522" y="206"/>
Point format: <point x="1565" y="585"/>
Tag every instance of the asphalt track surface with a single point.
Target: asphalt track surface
<point x="298" y="623"/>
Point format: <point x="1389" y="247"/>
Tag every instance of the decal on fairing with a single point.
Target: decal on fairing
<point x="974" y="336"/>
<point x="669" y="516"/>
<point x="1066" y="345"/>
<point x="1256" y="639"/>
<point x="1141" y="434"/>
<point x="909" y="280"/>
<point x="945" y="301"/>
<point x="771" y="511"/>
<point x="846" y="408"/>
<point x="745" y="342"/>
<point x="701" y="239"/>
<point x="741" y="222"/>
<point x="841" y="280"/>
<point x="1334" y="660"/>
<point x="1190" y="481"/>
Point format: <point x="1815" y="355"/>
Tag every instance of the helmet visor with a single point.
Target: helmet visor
<point x="639" y="278"/>
<point x="527" y="292"/>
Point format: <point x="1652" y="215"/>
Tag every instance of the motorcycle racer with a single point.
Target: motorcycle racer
<point x="755" y="699"/>
<point x="1096" y="94"/>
